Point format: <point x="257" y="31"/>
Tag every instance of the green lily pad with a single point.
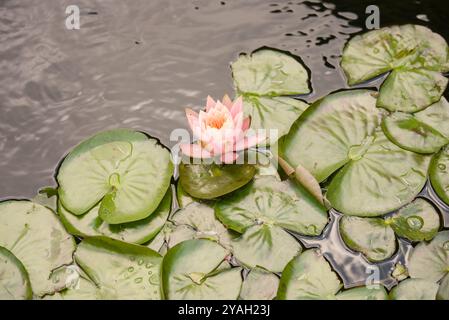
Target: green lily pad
<point x="277" y="113"/>
<point x="376" y="52"/>
<point x="414" y="289"/>
<point x="125" y="172"/>
<point x="364" y="293"/>
<point x="183" y="197"/>
<point x="270" y="72"/>
<point x="308" y="277"/>
<point x="332" y="132"/>
<point x="411" y="90"/>
<point x="436" y="116"/>
<point x="209" y="181"/>
<point x="439" y="174"/>
<point x="120" y="270"/>
<point x="370" y="236"/>
<point x="384" y="179"/>
<point x="443" y="291"/>
<point x="406" y="131"/>
<point x="416" y="221"/>
<point x="90" y="224"/>
<point x="269" y="201"/>
<point x="14" y="280"/>
<point x="84" y="289"/>
<point x="430" y="261"/>
<point x="268" y="246"/>
<point x="197" y="221"/>
<point x="191" y="271"/>
<point x="35" y="236"/>
<point x="259" y="284"/>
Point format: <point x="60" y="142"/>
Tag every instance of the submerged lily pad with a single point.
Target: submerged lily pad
<point x="191" y="271"/>
<point x="416" y="221"/>
<point x="370" y="236"/>
<point x="259" y="284"/>
<point x="377" y="292"/>
<point x="209" y="181"/>
<point x="430" y="261"/>
<point x="35" y="236"/>
<point x="376" y="52"/>
<point x="270" y="72"/>
<point x="411" y="90"/>
<point x="406" y="131"/>
<point x="439" y="174"/>
<point x="14" y="280"/>
<point x="90" y="224"/>
<point x="126" y="172"/>
<point x="414" y="289"/>
<point x="276" y="113"/>
<point x="120" y="270"/>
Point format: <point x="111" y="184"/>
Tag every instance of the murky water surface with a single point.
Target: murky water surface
<point x="139" y="63"/>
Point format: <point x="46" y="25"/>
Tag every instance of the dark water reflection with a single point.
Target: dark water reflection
<point x="139" y="63"/>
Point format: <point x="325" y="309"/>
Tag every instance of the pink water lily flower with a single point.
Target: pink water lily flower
<point x="221" y="131"/>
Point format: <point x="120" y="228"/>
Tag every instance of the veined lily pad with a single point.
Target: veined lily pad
<point x="277" y="113"/>
<point x="37" y="238"/>
<point x="331" y="132"/>
<point x="261" y="211"/>
<point x="406" y="131"/>
<point x="259" y="284"/>
<point x="308" y="277"/>
<point x="14" y="280"/>
<point x="197" y="221"/>
<point x="416" y="221"/>
<point x="384" y="179"/>
<point x="414" y="289"/>
<point x="90" y="224"/>
<point x="364" y="293"/>
<point x="191" y="271"/>
<point x="126" y="172"/>
<point x="439" y="174"/>
<point x="411" y="90"/>
<point x="270" y="72"/>
<point x="371" y="236"/>
<point x="430" y="261"/>
<point x="376" y="52"/>
<point x="120" y="270"/>
<point x="209" y="181"/>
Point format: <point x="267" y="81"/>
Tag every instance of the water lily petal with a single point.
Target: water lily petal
<point x="195" y="151"/>
<point x="193" y="120"/>
<point x="246" y="123"/>
<point x="210" y="103"/>
<point x="249" y="142"/>
<point x="237" y="107"/>
<point x="227" y="101"/>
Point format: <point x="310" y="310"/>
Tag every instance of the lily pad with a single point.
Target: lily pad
<point x="364" y="293"/>
<point x="120" y="270"/>
<point x="90" y="224"/>
<point x="416" y="221"/>
<point x="409" y="133"/>
<point x="209" y="181"/>
<point x="370" y="236"/>
<point x="332" y="132"/>
<point x="191" y="271"/>
<point x="414" y="289"/>
<point x="411" y="90"/>
<point x="183" y="197"/>
<point x="35" y="236"/>
<point x="14" y="280"/>
<point x="376" y="52"/>
<point x="268" y="246"/>
<point x="259" y="284"/>
<point x="443" y="291"/>
<point x="430" y="261"/>
<point x="270" y="72"/>
<point x="308" y="277"/>
<point x="126" y="172"/>
<point x="197" y="221"/>
<point x="439" y="174"/>
<point x="276" y="113"/>
<point x="436" y="116"/>
<point x="384" y="179"/>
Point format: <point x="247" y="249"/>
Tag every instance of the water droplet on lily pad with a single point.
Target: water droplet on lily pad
<point x="130" y="269"/>
<point x="446" y="245"/>
<point x="154" y="279"/>
<point x="148" y="265"/>
<point x="442" y="166"/>
<point x="312" y="229"/>
<point x="415" y="222"/>
<point x="140" y="262"/>
<point x="138" y="280"/>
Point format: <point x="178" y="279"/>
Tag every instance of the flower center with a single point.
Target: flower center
<point x="216" y="121"/>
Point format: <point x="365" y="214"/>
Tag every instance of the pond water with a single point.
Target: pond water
<point x="139" y="63"/>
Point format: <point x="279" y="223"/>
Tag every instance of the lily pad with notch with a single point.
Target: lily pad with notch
<point x="193" y="270"/>
<point x="259" y="284"/>
<point x="126" y="172"/>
